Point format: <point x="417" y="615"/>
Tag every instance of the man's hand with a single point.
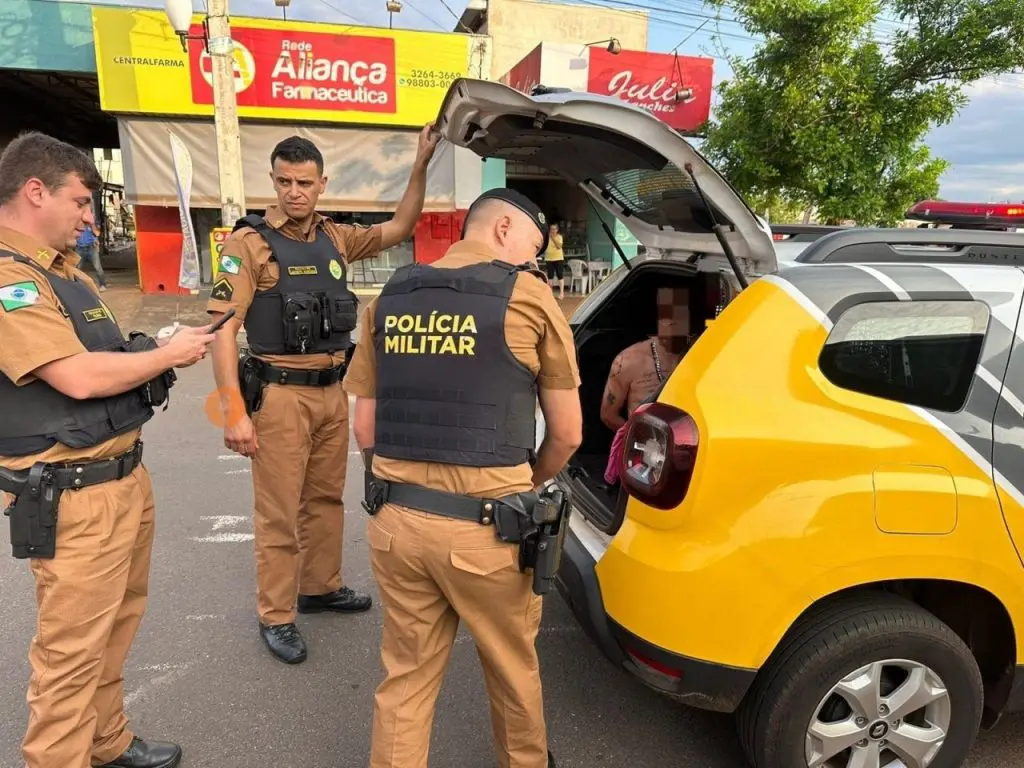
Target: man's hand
<point x="240" y="436"/>
<point x="403" y="224"/>
<point x="426" y="146"/>
<point x="188" y="345"/>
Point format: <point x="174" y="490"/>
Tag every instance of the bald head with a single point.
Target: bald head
<point x="506" y="228"/>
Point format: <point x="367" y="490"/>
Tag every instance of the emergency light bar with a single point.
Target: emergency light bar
<point x="982" y="215"/>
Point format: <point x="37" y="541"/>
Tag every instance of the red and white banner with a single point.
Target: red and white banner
<point x="304" y="70"/>
<point x="676" y="89"/>
<point x="525" y="75"/>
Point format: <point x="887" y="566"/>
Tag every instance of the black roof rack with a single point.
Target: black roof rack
<point x="803" y="233"/>
<point x="938" y="246"/>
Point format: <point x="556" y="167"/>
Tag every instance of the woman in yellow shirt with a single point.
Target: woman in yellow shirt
<point x="554" y="260"/>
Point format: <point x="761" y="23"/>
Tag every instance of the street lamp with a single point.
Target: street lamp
<point x="217" y="41"/>
<point x="614" y="47"/>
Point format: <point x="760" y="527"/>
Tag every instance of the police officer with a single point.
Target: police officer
<point x="447" y="373"/>
<point x="73" y="398"/>
<point x="286" y="276"/>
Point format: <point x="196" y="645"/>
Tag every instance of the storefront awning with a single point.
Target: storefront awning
<point x="366" y="169"/>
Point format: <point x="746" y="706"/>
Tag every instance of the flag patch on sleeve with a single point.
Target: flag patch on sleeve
<point x="230" y="264"/>
<point x="18" y="295"/>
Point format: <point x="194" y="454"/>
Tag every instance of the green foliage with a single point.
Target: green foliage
<point x="777" y="208"/>
<point x="830" y="112"/>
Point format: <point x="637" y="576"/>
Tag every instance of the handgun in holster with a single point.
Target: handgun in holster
<point x="542" y="544"/>
<point x="33" y="514"/>
<point x="249" y="382"/>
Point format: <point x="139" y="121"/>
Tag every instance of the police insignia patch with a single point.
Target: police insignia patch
<point x="92" y="315"/>
<point x="223" y="290"/>
<point x="310" y="270"/>
<point x="336" y="271"/>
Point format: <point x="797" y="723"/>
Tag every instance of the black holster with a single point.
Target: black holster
<point x="544" y="538"/>
<point x="249" y="382"/>
<point x="33" y="516"/>
<point x="156" y="391"/>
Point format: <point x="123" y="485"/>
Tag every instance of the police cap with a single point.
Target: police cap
<point x="520" y="201"/>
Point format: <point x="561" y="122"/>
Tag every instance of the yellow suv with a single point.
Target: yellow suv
<point x="821" y="511"/>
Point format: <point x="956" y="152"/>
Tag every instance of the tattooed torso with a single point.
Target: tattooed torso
<point x="636" y="371"/>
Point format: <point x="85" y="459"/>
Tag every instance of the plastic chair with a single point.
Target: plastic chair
<point x="577" y="268"/>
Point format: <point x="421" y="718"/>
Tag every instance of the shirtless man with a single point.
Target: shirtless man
<point x="639" y="369"/>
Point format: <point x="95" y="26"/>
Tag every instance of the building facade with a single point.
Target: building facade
<point x="361" y="94"/>
<point x="517" y="26"/>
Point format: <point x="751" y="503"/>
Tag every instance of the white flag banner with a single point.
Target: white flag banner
<point x="188" y="274"/>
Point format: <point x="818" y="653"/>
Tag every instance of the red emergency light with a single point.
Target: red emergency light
<point x="981" y="215"/>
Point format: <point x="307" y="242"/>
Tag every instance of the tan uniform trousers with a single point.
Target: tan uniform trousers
<point x="90" y="598"/>
<point x="298" y="477"/>
<point x="433" y="571"/>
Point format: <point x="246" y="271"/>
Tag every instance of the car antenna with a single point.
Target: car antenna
<point x="611" y="236"/>
<point x="718" y="229"/>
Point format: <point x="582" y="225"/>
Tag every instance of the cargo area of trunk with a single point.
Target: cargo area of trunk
<point x="627" y="316"/>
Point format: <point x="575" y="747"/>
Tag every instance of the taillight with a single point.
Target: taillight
<point x="659" y="454"/>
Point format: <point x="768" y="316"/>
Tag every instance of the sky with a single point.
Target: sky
<point x="985" y="165"/>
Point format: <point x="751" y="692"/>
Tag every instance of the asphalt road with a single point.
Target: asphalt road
<point x="199" y="674"/>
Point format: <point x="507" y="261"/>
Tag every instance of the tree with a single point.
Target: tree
<point x="825" y="115"/>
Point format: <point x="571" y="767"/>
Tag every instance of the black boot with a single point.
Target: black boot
<point x="285" y="642"/>
<point x="343" y="600"/>
<point x="147" y="754"/>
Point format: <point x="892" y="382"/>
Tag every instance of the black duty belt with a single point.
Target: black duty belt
<point x="324" y="377"/>
<point x="79" y="475"/>
<point x="474" y="508"/>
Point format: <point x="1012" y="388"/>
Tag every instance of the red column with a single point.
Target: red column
<point x="158" y="249"/>
<point x="435" y="233"/>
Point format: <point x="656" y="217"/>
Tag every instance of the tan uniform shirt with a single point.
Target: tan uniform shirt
<point x="256" y="272"/>
<point x="540" y="338"/>
<point x="39" y="333"/>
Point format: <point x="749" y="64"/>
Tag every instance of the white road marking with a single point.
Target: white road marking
<point x="167" y="674"/>
<point x="238" y="472"/>
<point x="204" y="617"/>
<point x="224" y="538"/>
<point x="220" y="522"/>
<point x="230" y="457"/>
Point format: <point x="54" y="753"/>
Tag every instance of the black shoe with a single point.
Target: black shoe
<point x="285" y="642"/>
<point x="147" y="754"/>
<point x="342" y="601"/>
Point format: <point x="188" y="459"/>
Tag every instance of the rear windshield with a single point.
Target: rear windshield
<point x="663" y="197"/>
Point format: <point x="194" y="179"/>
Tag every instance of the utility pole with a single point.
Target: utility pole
<point x="225" y="114"/>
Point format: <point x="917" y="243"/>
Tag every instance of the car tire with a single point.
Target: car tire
<point x="833" y="641"/>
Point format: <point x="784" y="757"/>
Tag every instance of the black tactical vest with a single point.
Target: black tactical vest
<point x="36" y="416"/>
<point x="449" y="389"/>
<point x="310" y="310"/>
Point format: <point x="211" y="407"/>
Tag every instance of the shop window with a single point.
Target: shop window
<point x="921" y="353"/>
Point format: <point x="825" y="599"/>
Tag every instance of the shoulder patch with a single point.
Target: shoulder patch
<point x="223" y="290"/>
<point x="19" y="295"/>
<point x="231" y="264"/>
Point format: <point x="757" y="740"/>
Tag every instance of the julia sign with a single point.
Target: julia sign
<point x="676" y="89"/>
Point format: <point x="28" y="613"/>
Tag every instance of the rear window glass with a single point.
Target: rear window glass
<point x="665" y="197"/>
<point x="921" y="353"/>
